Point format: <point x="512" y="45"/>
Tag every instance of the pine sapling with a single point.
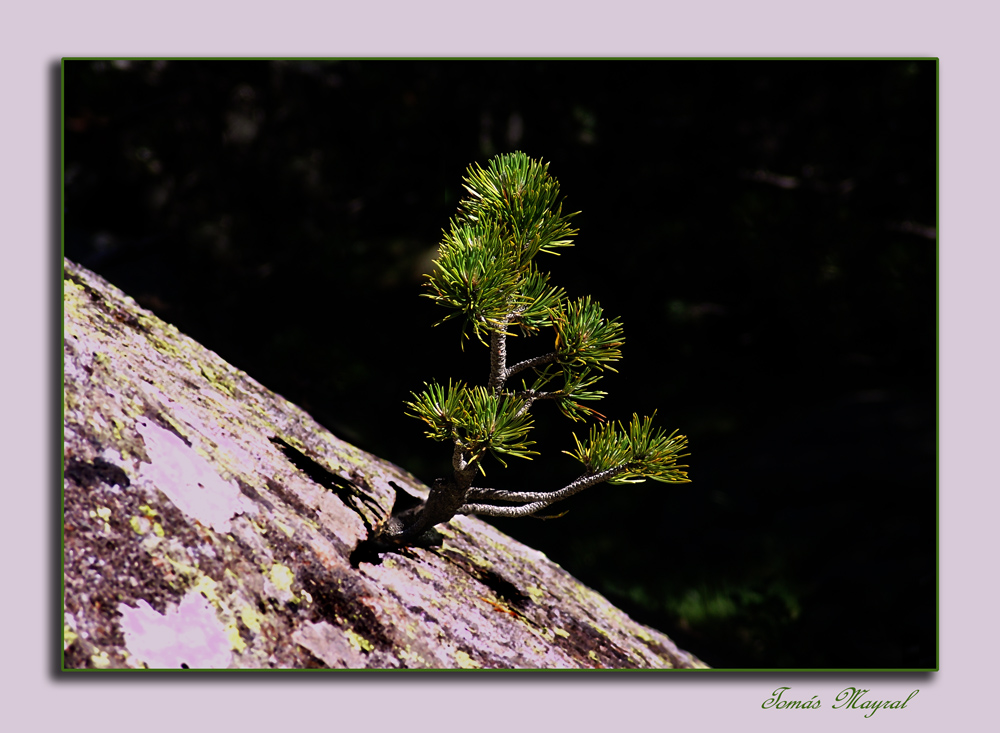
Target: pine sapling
<point x="486" y="274"/>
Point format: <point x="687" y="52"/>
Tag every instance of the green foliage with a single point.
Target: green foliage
<point x="516" y="196"/>
<point x="645" y="452"/>
<point x="584" y="337"/>
<point x="538" y="300"/>
<point x="475" y="420"/>
<point x="575" y="387"/>
<point x="477" y="274"/>
<point x="485" y="270"/>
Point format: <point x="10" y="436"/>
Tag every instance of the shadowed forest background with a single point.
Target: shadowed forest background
<point x="765" y="230"/>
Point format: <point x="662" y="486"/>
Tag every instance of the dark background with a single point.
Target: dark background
<point x="765" y="230"/>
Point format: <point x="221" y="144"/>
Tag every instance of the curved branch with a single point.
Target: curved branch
<point x="529" y="396"/>
<point x="511" y="512"/>
<point x="530" y="363"/>
<point x="532" y="500"/>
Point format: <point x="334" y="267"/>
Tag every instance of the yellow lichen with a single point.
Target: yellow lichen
<point x="206" y="586"/>
<point x="282" y="577"/>
<point x="250" y="617"/>
<point x="357" y="641"/>
<point x="233" y="635"/>
<point x="104" y="513"/>
<point x="283" y="527"/>
<point x="182" y="568"/>
<point x="465" y="661"/>
<point x="535" y="592"/>
<point x="642" y="634"/>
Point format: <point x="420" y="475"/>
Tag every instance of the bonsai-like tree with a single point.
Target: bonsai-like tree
<point x="486" y="274"/>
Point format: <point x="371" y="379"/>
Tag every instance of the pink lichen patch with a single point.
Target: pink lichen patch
<point x="189" y="635"/>
<point x="189" y="480"/>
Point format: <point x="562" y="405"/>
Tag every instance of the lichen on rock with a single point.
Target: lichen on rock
<point x="210" y="523"/>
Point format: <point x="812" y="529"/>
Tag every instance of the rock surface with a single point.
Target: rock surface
<point x="209" y="523"/>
